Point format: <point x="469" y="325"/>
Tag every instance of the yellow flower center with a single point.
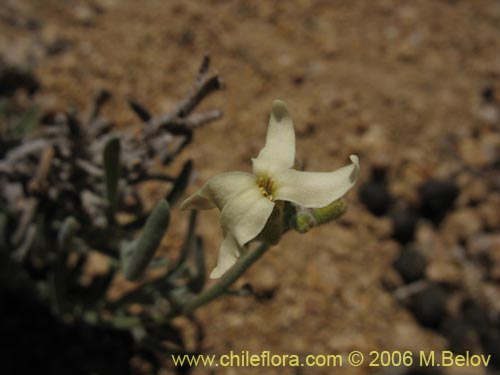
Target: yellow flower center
<point x="266" y="187"/>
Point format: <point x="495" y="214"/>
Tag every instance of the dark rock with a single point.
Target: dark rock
<point x="376" y="197"/>
<point x="404" y="223"/>
<point x="58" y="46"/>
<point x="437" y="198"/>
<point x="298" y="80"/>
<point x="410" y="264"/>
<point x="429" y="306"/>
<point x="488" y="94"/>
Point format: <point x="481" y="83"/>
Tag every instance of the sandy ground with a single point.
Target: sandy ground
<point x="392" y="81"/>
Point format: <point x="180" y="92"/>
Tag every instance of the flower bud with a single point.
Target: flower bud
<point x="331" y="212"/>
<point x="303" y="221"/>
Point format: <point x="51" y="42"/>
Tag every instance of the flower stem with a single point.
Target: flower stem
<point x="221" y="286"/>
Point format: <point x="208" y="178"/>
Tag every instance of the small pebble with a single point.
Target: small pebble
<point x="444" y="272"/>
<point x="410" y="264"/>
<point x="375" y="194"/>
<point x="429" y="306"/>
<point x="437" y="198"/>
<point x="404" y="222"/>
<point x="488" y="94"/>
<point x="489" y="114"/>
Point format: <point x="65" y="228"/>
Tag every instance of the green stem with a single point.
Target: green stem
<point x="208" y="295"/>
<point x="220" y="287"/>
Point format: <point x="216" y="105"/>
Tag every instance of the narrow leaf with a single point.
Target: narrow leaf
<point x="145" y="247"/>
<point x="189" y="241"/>
<point x="197" y="283"/>
<point x="139" y="110"/>
<point x="181" y="183"/>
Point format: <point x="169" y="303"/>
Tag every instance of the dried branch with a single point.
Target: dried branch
<point x="59" y="169"/>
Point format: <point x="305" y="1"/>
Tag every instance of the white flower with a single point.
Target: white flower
<point x="247" y="200"/>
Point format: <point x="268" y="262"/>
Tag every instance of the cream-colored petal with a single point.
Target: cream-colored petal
<point x="314" y="189"/>
<point x="219" y="190"/>
<point x="197" y="201"/>
<point x="279" y="151"/>
<point x="246" y="214"/>
<point x="228" y="255"/>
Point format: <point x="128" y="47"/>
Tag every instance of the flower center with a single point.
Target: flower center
<point x="266" y="187"/>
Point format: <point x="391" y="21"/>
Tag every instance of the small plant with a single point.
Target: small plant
<point x="71" y="186"/>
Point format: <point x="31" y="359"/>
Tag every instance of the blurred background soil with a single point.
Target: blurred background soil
<point x="412" y="87"/>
